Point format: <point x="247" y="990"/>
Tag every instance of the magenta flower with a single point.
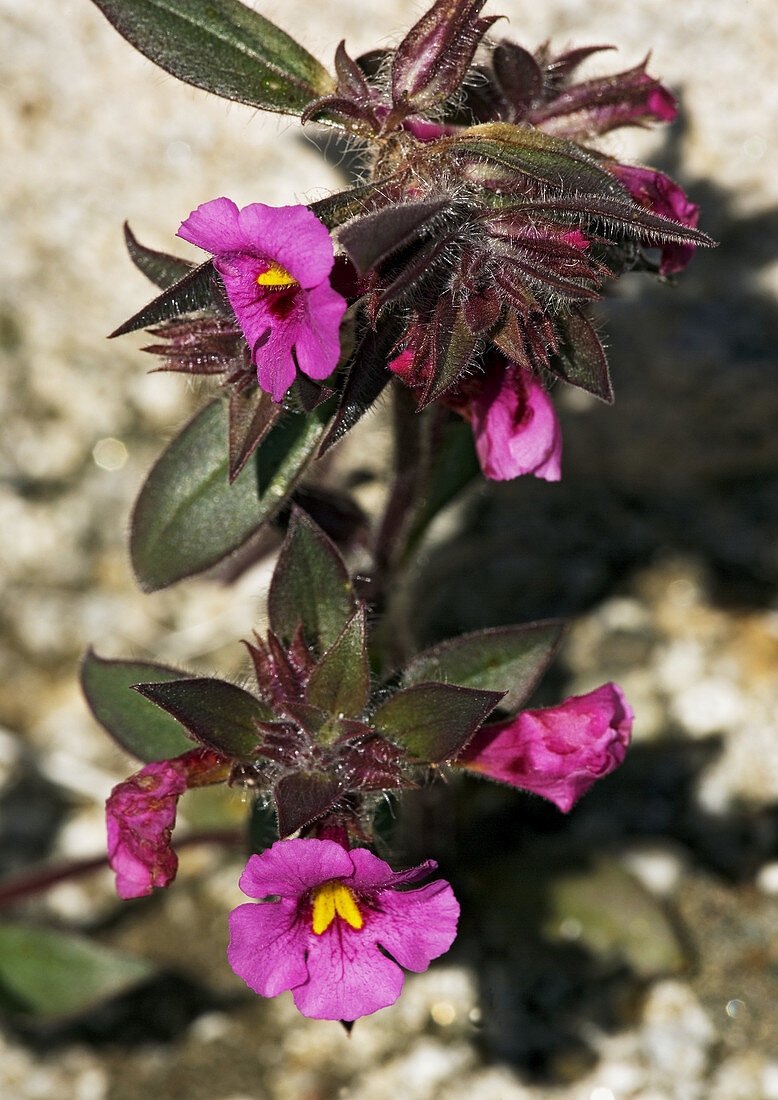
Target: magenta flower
<point x="337" y="918"/>
<point x="275" y="263"/>
<point x="513" y="419"/>
<point x="661" y="195"/>
<point x="515" y="426"/>
<point x="557" y="752"/>
<point x="141" y="813"/>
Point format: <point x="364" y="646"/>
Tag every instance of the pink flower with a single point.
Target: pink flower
<point x="275" y="263"/>
<point x="515" y="426"/>
<point x="337" y="918"/>
<point x="557" y="752"/>
<point x="141" y="813"/>
<point x="659" y="194"/>
<point x="514" y="423"/>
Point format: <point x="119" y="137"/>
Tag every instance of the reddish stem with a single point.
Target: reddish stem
<point x="18" y="887"/>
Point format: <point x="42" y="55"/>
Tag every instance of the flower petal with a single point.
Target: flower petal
<point x="416" y="926"/>
<point x="348" y="976"/>
<point x="267" y="946"/>
<point x="515" y="426"/>
<point x="214" y="226"/>
<point x="317" y="338"/>
<point x="293" y="237"/>
<point x="292" y="867"/>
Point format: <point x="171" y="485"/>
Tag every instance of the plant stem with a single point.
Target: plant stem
<point x="19" y="887"/>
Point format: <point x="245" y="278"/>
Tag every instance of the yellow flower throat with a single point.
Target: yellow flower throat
<point x="276" y="276"/>
<point x="334" y="898"/>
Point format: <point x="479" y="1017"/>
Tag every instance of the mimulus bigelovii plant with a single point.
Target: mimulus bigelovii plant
<point x="455" y="275"/>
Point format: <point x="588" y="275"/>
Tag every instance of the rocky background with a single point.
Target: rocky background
<point x="628" y="952"/>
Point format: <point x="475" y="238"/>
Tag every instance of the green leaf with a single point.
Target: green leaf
<point x="219" y="715"/>
<point x="188" y="516"/>
<point x="140" y="728"/>
<point x="311" y="586"/>
<point x="340" y="683"/>
<point x="192" y="292"/>
<point x="434" y="721"/>
<point x="224" y="47"/>
<point x="511" y="659"/>
<point x="52" y="974"/>
<point x="160" y="268"/>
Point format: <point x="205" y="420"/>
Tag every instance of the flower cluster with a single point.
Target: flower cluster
<point x="340" y="924"/>
<point x="459" y="272"/>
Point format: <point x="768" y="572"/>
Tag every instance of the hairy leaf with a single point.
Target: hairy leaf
<point x="511" y="659"/>
<point x="191" y="293"/>
<point x="252" y="414"/>
<point x="219" y="715"/>
<point x="431" y="61"/>
<point x="140" y="728"/>
<point x="371" y="239"/>
<point x="188" y="516"/>
<point x="434" y="721"/>
<point x="548" y="160"/>
<point x="311" y="586"/>
<point x="301" y="797"/>
<point x="580" y="359"/>
<point x="224" y="47"/>
<point x="368" y="376"/>
<point x="159" y="267"/>
<point x="340" y="683"/>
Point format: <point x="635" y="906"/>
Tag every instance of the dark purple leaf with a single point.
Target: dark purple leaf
<point x="368" y="376"/>
<point x="160" y="268"/>
<point x="431" y="61"/>
<point x="452" y="346"/>
<point x="219" y="715"/>
<point x="302" y="797"/>
<point x="518" y="76"/>
<point x="580" y="359"/>
<point x="368" y="241"/>
<point x="252" y="414"/>
<point x="188" y="295"/>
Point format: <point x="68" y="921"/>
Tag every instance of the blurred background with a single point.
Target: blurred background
<point x="626" y="952"/>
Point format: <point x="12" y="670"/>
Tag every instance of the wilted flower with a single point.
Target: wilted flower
<point x="141" y="813"/>
<point x="557" y="752"/>
<point x="338" y="929"/>
<point x="275" y="263"/>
